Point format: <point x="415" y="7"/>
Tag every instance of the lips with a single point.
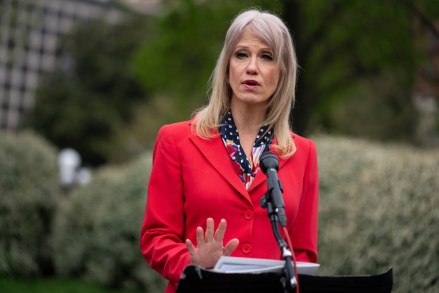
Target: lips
<point x="250" y="82"/>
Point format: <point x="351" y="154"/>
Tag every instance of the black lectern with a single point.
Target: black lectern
<point x="198" y="280"/>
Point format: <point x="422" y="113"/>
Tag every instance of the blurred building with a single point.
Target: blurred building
<point x="145" y="6"/>
<point x="30" y="32"/>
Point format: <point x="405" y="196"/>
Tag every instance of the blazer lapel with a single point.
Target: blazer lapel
<point x="215" y="153"/>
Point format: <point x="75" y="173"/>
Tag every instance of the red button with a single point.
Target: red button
<point x="248" y="214"/>
<point x="246" y="248"/>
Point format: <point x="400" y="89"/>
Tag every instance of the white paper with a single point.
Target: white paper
<point x="229" y="264"/>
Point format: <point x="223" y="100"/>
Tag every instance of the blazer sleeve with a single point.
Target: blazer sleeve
<point x="305" y="228"/>
<point x="162" y="231"/>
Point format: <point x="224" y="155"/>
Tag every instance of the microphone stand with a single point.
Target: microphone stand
<point x="266" y="202"/>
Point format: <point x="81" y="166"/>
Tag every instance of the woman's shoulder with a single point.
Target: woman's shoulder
<point x="298" y="138"/>
<point x="176" y="130"/>
<point x="301" y="142"/>
<point x="177" y="126"/>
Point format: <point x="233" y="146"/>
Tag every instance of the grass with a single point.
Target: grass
<point x="53" y="285"/>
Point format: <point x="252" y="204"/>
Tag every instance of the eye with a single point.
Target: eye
<point x="267" y="56"/>
<point x="240" y="54"/>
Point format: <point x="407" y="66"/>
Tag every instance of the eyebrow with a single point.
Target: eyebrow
<point x="265" y="49"/>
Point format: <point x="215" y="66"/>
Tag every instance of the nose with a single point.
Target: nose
<point x="252" y="66"/>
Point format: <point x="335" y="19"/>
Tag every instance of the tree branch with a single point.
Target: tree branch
<point x="424" y="19"/>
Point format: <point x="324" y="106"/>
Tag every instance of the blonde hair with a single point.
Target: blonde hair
<point x="271" y="30"/>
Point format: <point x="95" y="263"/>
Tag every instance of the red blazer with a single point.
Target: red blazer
<point x="193" y="179"/>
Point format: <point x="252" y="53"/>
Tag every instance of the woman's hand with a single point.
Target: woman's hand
<point x="210" y="246"/>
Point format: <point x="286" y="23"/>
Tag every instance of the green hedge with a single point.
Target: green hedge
<point x="379" y="208"/>
<point x="97" y="229"/>
<point x="28" y="189"/>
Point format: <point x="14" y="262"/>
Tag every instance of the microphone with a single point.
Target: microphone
<point x="269" y="165"/>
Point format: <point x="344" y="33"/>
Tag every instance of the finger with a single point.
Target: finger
<point x="200" y="236"/>
<point x="219" y="234"/>
<point x="231" y="246"/>
<point x="190" y="247"/>
<point x="209" y="229"/>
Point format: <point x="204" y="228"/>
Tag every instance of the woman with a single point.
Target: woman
<point x="206" y="170"/>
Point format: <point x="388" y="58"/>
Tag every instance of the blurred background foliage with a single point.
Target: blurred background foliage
<point x="377" y="209"/>
<point x="357" y="64"/>
<point x="28" y="193"/>
<point x="96" y="231"/>
<point x="362" y="65"/>
<point x="88" y="100"/>
<point x="118" y="83"/>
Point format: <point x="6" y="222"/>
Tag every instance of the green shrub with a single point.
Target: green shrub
<point x="97" y="229"/>
<point x="378" y="208"/>
<point x="28" y="186"/>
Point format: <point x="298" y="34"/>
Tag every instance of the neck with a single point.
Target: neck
<point x="248" y="119"/>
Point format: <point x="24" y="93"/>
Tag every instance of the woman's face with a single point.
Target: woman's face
<point x="253" y="73"/>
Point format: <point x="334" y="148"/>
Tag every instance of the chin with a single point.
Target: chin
<point x="252" y="99"/>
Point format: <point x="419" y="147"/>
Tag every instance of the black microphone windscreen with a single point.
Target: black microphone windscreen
<point x="267" y="161"/>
